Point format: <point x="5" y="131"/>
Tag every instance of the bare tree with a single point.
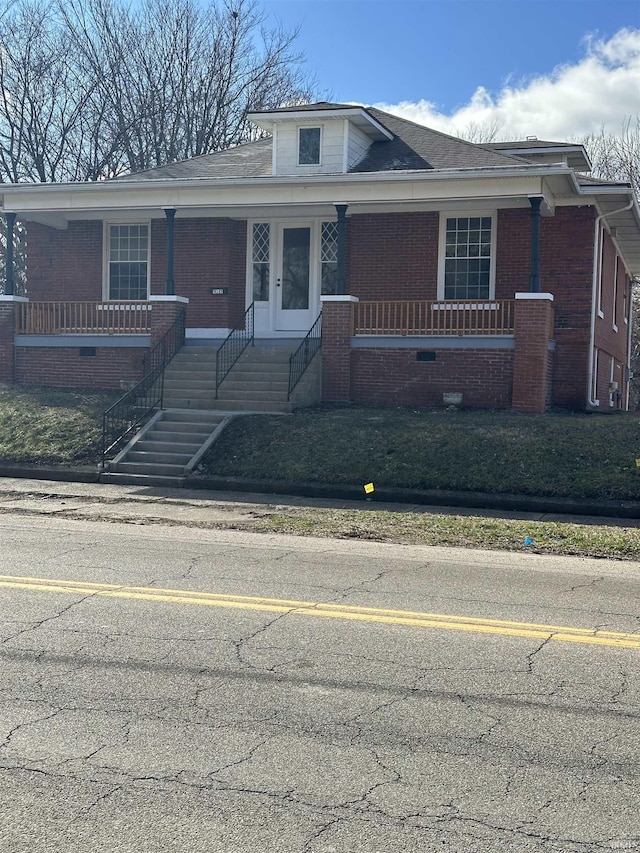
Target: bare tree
<point x="178" y="79"/>
<point x="93" y="88"/>
<point x="616" y="157"/>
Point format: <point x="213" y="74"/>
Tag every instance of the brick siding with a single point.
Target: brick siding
<point x="394" y="376"/>
<point x="64" y="264"/>
<point x="64" y="367"/>
<point x="207" y="253"/>
<point x="392" y="256"/>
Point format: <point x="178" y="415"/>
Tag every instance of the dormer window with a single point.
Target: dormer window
<point x="309" y="146"/>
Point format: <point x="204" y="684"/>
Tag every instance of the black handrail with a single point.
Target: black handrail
<point x="302" y="357"/>
<point x="131" y="410"/>
<point x="233" y="346"/>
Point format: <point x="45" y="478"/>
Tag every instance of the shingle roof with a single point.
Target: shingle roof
<point x="250" y="160"/>
<point x="413" y="147"/>
<point x="419" y="147"/>
<point x="530" y="143"/>
<point x="300" y="108"/>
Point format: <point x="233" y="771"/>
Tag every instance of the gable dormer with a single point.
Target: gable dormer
<point x="319" y="139"/>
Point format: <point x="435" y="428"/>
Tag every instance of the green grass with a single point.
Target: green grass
<point x="445" y="530"/>
<point x="49" y="427"/>
<point x="556" y="454"/>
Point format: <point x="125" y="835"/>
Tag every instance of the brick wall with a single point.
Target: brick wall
<point x="207" y="253"/>
<point x="611" y="342"/>
<point x="64" y="265"/>
<point x="394" y="376"/>
<point x="392" y="256"/>
<point x="533" y="323"/>
<point x="64" y="367"/>
<point x="566" y="270"/>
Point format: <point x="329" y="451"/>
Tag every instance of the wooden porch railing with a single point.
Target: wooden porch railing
<point x="78" y="318"/>
<point x="471" y="317"/>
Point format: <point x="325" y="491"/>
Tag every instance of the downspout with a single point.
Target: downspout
<point x="594" y="293"/>
<point x="629" y="333"/>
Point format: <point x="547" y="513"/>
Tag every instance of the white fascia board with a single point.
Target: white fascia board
<point x="87" y="198"/>
<point x="359" y="115"/>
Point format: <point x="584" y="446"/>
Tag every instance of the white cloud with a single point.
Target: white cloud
<point x="601" y="89"/>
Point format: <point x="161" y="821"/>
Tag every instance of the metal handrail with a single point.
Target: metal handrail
<point x="233" y="346"/>
<point x="303" y="356"/>
<point x="131" y="410"/>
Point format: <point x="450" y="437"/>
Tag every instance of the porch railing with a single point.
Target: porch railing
<point x="447" y="317"/>
<point x="81" y="318"/>
<point x="131" y="410"/>
<point x="233" y="346"/>
<point x="302" y="357"/>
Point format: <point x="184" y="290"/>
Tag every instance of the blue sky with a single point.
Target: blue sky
<point x="444" y="52"/>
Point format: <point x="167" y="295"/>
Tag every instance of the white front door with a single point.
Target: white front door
<point x="294" y="285"/>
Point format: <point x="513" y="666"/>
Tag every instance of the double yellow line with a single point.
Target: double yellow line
<point x="407" y="618"/>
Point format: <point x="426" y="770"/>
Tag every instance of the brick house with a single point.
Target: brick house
<point x="500" y="271"/>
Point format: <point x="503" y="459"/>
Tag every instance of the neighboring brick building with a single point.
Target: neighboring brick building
<point x="501" y="272"/>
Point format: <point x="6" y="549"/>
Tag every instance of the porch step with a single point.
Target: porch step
<point x="174" y="471"/>
<point x="142" y="480"/>
<point x="239" y="405"/>
<point x="168" y="445"/>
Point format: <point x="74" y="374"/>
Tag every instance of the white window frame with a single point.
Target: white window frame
<point x="442" y="245"/>
<point x="309" y="127"/>
<point x="106" y="244"/>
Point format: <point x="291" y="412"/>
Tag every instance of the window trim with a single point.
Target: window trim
<point x="106" y="244"/>
<point x="442" y="245"/>
<point x="309" y="127"/>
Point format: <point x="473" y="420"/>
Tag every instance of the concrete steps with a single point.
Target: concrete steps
<point x="166" y="448"/>
<point x="172" y="443"/>
<point x="258" y="381"/>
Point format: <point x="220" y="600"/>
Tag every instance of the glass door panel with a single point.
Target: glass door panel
<point x="296" y="253"/>
<point x="293" y="282"/>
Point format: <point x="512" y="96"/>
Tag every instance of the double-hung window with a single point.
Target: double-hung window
<point x="466" y="266"/>
<point x="128" y="264"/>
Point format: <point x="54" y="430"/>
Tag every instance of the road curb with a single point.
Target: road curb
<point x="63" y="475"/>
<point x="433" y="497"/>
<point x="332" y="491"/>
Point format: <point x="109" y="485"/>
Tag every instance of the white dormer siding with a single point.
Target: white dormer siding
<point x="331" y="148"/>
<point x="357" y="145"/>
<point x="346" y="132"/>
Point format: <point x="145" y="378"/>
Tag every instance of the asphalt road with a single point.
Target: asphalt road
<point x="173" y="689"/>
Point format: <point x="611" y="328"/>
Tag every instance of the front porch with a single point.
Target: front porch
<point x="497" y="353"/>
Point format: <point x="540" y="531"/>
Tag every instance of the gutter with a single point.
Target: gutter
<point x="399" y="175"/>
<point x="594" y="293"/>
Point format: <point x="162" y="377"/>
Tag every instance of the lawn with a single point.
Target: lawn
<point x="50" y="427"/>
<point x="556" y="454"/>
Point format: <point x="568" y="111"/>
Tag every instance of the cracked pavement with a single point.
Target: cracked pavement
<point x="137" y="726"/>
